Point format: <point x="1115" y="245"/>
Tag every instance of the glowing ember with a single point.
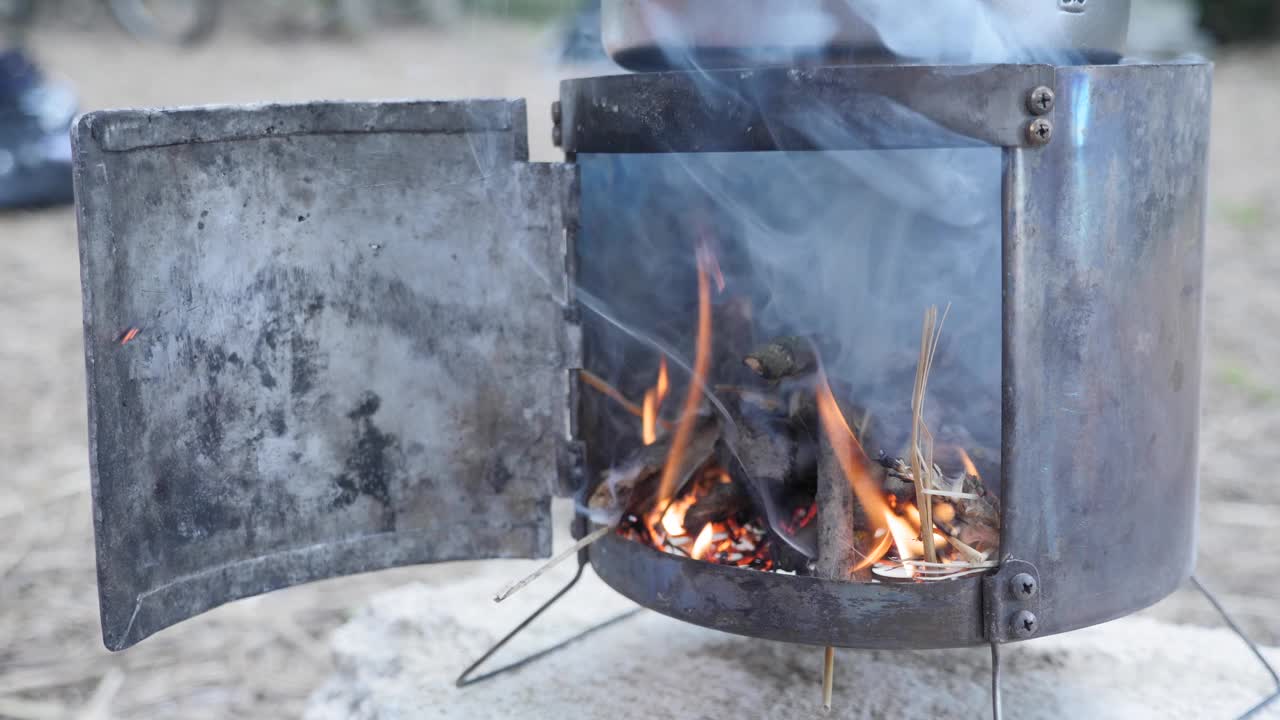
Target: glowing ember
<point x="129" y="334"/>
<point x="969" y="468"/>
<point x="703" y="543"/>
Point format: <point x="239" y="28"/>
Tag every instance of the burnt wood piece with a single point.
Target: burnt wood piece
<point x="633" y="482"/>
<point x="722" y="502"/>
<point x="784" y="357"/>
<point x="841" y="518"/>
<point x="978" y="523"/>
<point x="734" y="337"/>
<point x="837" y="508"/>
<point x="765" y="452"/>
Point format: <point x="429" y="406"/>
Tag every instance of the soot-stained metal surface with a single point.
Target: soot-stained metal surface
<point x="854" y="107"/>
<point x="321" y="339"/>
<point x="792" y="608"/>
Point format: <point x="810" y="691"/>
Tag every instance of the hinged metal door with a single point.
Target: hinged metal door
<point x="321" y="339"/>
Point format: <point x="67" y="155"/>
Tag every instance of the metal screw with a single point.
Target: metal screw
<point x="555" y="112"/>
<point x="1040" y="131"/>
<point x="555" y="135"/>
<point x="1023" y="586"/>
<point x="1040" y="101"/>
<point x="1024" y="624"/>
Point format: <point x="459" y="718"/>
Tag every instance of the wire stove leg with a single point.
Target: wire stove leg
<point x="1253" y="648"/>
<point x="466" y="678"/>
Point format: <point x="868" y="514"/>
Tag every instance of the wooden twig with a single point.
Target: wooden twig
<point x="609" y="391"/>
<point x="828" y="677"/>
<point x="519" y="585"/>
<point x="838" y="507"/>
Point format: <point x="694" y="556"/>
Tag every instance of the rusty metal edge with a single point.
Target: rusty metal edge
<point x="133" y="129"/>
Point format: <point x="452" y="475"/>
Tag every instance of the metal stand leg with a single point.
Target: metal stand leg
<point x="465" y="678"/>
<point x="1253" y="648"/>
<point x="996" y="710"/>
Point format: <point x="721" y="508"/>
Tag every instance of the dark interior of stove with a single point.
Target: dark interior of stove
<point x="843" y="249"/>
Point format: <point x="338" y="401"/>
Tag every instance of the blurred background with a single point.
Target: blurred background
<point x="261" y="657"/>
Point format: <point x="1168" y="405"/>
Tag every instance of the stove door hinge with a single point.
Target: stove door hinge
<point x="1011" y="602"/>
<point x="571" y="459"/>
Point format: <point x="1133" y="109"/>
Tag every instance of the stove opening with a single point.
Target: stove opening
<point x="793" y="360"/>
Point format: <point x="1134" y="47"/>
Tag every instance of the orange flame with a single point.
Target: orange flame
<point x="673" y="516"/>
<point x="939" y="540"/>
<point x="969" y="468"/>
<point x="849" y="454"/>
<point x="649" y="417"/>
<point x="653" y="403"/>
<point x="693" y="397"/>
<point x="703" y="543"/>
<point x="877" y="552"/>
<point x="904" y="538"/>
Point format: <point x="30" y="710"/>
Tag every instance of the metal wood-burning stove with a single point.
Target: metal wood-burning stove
<point x="337" y="337"/>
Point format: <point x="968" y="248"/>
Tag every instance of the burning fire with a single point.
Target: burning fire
<point x="693" y="396"/>
<point x="653" y="403"/>
<point x="727" y="529"/>
<point x="849" y="453"/>
<point x="904" y="538"/>
<point x="703" y="543"/>
<point x="673" y="517"/>
<point x="969" y="468"/>
<point x="726" y="542"/>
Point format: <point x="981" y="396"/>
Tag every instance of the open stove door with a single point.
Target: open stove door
<point x="321" y="339"/>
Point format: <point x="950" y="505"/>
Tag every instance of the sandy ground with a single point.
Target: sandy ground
<point x="261" y="657"/>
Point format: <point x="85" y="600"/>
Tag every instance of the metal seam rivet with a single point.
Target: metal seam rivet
<point x="1023" y="586"/>
<point x="1040" y="131"/>
<point x="1040" y="100"/>
<point x="1024" y="624"/>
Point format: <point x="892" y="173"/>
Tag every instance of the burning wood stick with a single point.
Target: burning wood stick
<point x="586" y="541"/>
<point x="837" y="509"/>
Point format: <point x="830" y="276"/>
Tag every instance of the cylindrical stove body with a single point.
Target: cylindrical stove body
<point x="1099" y="257"/>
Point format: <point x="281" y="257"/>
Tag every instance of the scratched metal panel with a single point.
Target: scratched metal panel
<point x="350" y="349"/>
<point x="1104" y="288"/>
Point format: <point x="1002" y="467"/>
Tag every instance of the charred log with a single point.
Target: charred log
<point x="634" y="481"/>
<point x="724" y="501"/>
<point x="784" y="357"/>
